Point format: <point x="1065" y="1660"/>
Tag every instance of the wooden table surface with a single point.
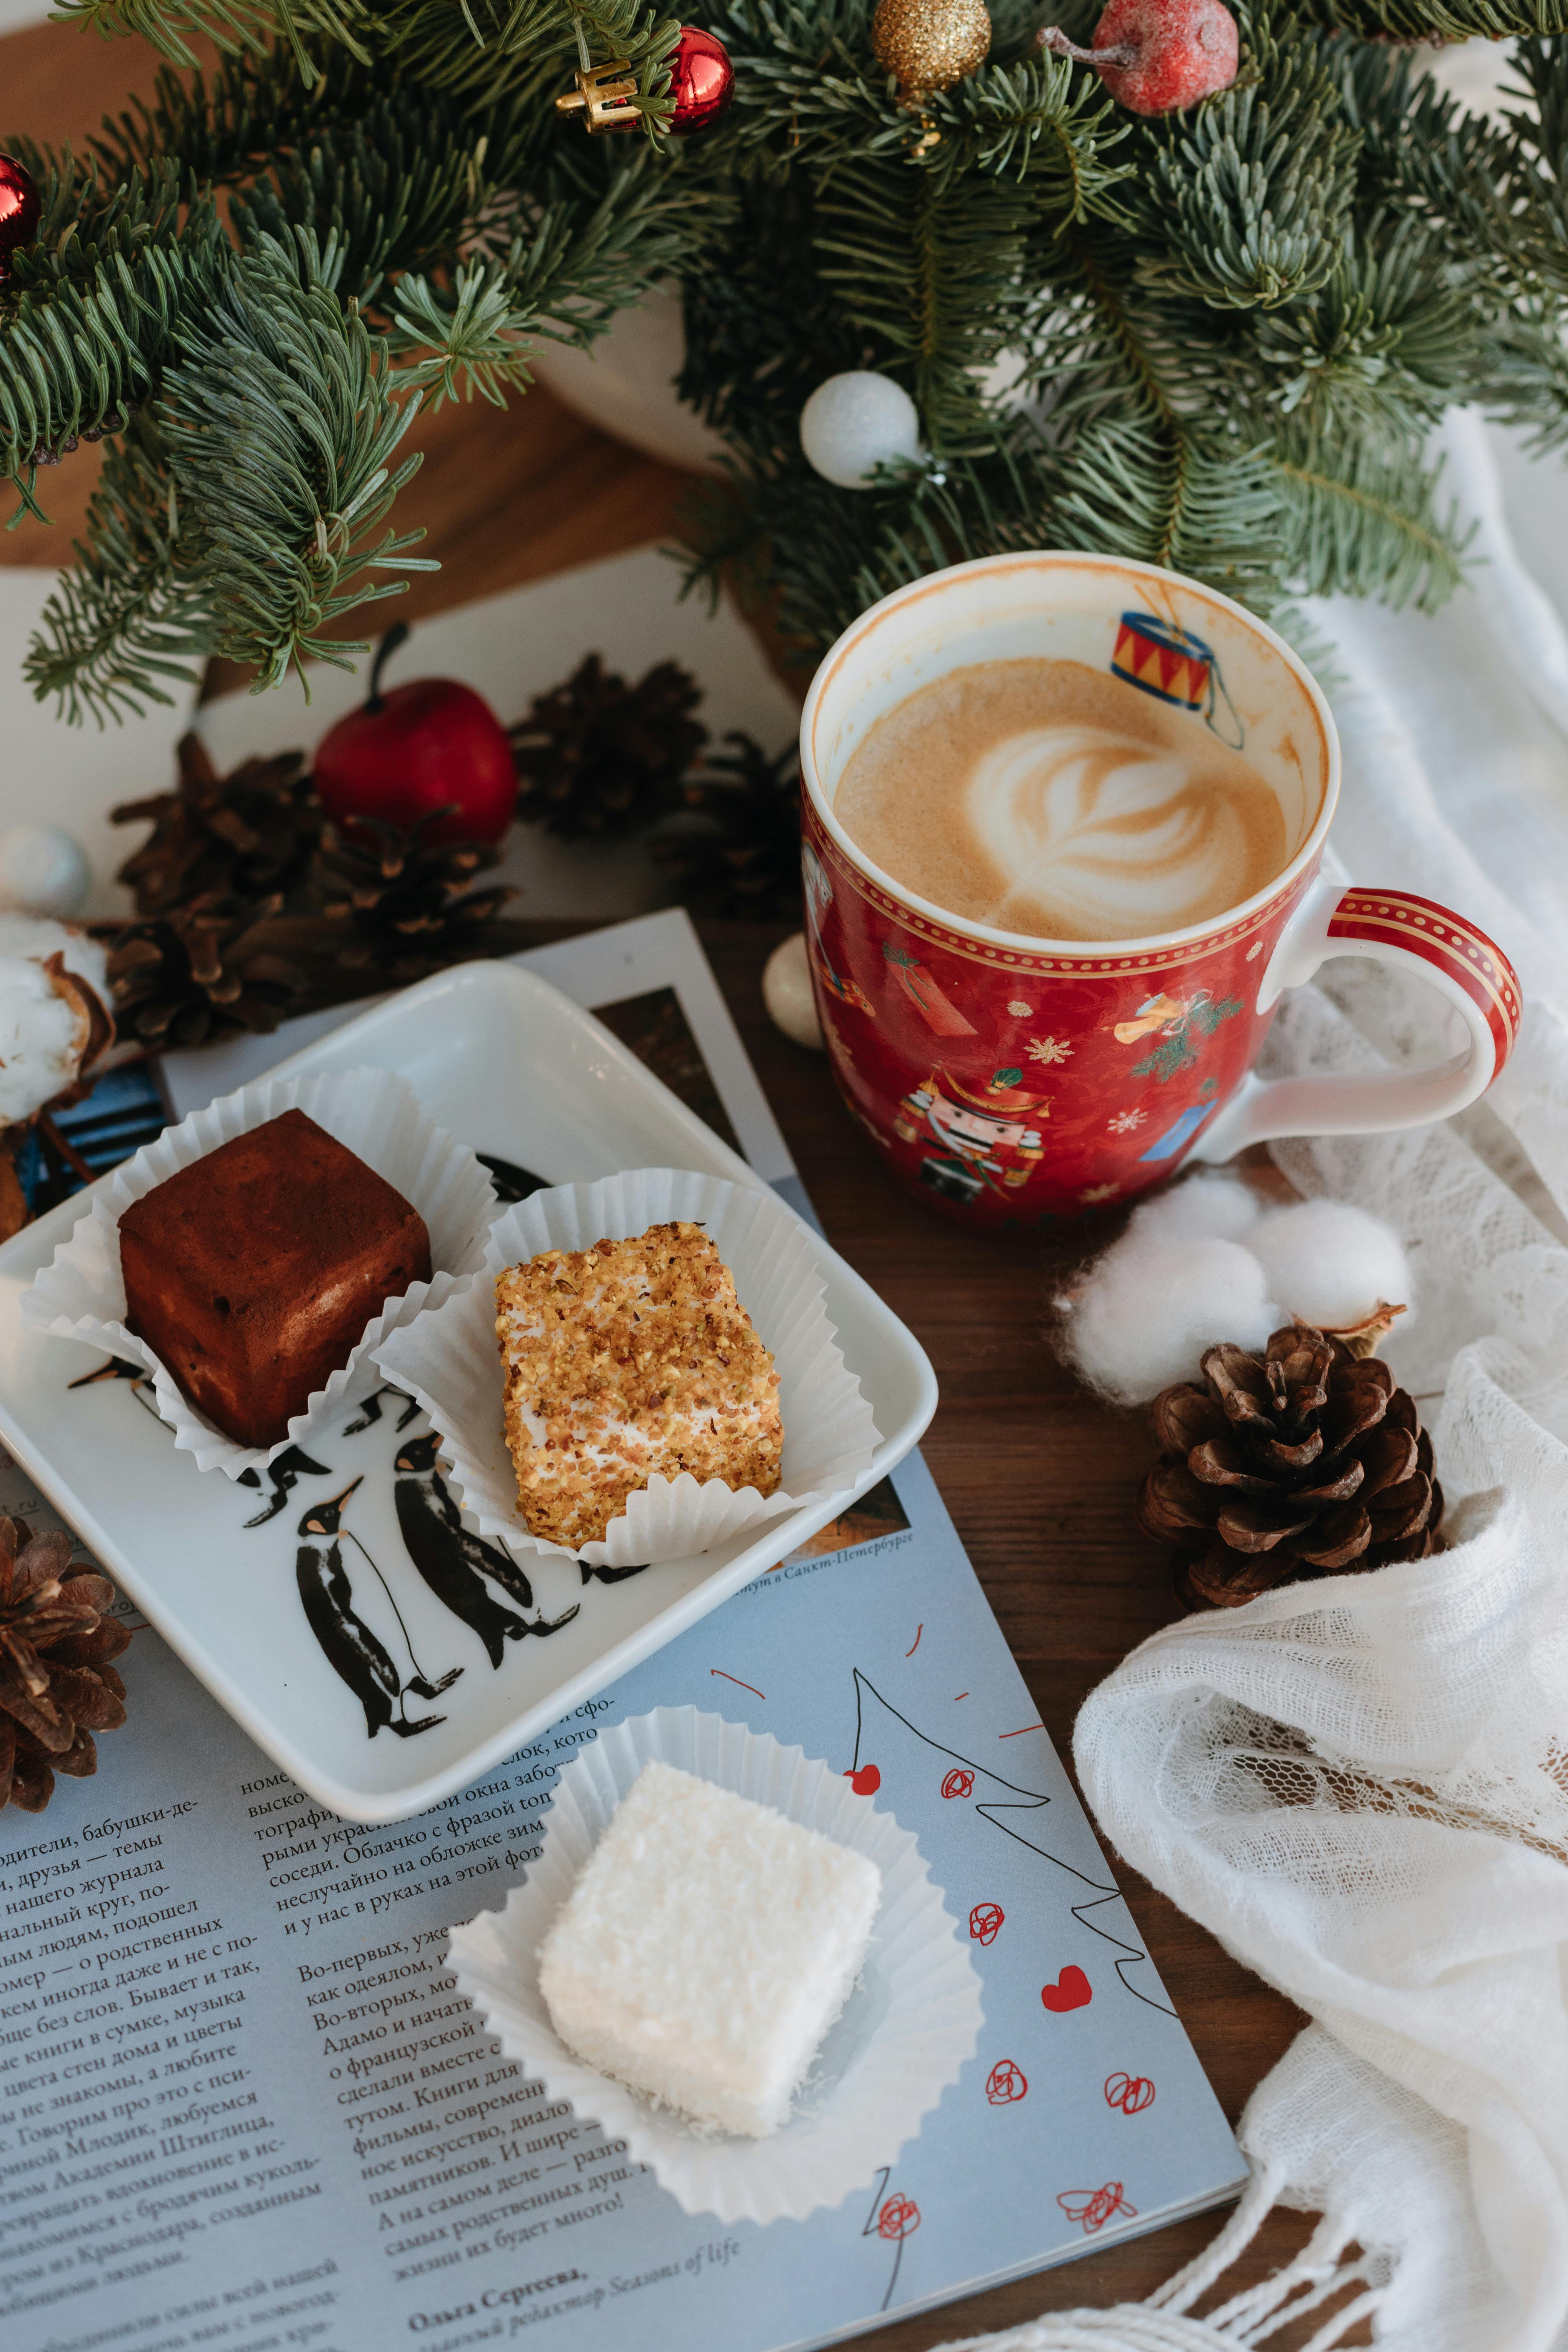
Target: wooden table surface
<point x="1037" y="1476"/>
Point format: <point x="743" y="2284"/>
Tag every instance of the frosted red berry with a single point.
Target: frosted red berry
<point x="1156" y="56"/>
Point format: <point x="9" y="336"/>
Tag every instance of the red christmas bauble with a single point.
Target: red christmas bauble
<point x="20" y="206"/>
<point x="701" y="81"/>
<point x="420" y="748"/>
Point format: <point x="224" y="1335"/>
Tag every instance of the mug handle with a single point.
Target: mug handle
<point x="1418" y="936"/>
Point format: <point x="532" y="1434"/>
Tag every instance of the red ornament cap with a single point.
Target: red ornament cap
<point x="20" y="206"/>
<point x="701" y="81"/>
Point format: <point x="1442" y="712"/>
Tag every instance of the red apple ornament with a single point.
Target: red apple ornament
<point x="432" y="744"/>
<point x="1156" y="56"/>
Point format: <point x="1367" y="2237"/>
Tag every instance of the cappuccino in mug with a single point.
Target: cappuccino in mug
<point x="1045" y="797"/>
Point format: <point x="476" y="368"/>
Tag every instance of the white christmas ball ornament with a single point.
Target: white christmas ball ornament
<point x="786" y="993"/>
<point x="43" y="870"/>
<point x="854" y="423"/>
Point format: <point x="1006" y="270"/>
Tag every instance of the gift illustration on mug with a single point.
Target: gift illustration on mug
<point x="818" y="892"/>
<point x="925" y="995"/>
<point x="983" y="1142"/>
<point x="1175" y="1021"/>
<point x="1173" y="665"/>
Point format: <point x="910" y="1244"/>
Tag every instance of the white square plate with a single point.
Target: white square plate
<point x="512" y="1067"/>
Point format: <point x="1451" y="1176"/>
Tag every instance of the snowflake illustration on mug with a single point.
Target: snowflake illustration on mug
<point x="1019" y="1010"/>
<point x="1125" y="1121"/>
<point x="1097" y="1193"/>
<point x="1048" y="1049"/>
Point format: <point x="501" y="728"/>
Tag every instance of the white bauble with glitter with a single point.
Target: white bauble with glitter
<point x="43" y="870"/>
<point x="786" y="993"/>
<point x="854" y="423"/>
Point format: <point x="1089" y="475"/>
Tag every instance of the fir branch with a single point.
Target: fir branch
<point x="229" y="24"/>
<point x="121" y="628"/>
<point x="1363" y="519"/>
<point x="280" y="425"/>
<point x="473" y="336"/>
<point x="1249" y="195"/>
<point x="1176" y="496"/>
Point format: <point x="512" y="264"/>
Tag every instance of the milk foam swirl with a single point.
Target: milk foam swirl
<point x="1099" y="831"/>
<point x="1056" y="800"/>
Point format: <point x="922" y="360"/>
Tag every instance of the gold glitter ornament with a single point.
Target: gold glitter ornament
<point x="930" y="45"/>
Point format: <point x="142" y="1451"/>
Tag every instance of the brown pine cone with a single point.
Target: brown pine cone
<point x="597" y="758"/>
<point x="1303" y="1461"/>
<point x="396" y="905"/>
<point x="204" y="971"/>
<point x="56" y="1685"/>
<point x="250" y="834"/>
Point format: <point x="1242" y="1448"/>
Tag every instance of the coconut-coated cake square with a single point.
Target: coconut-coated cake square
<point x="706" y="1949"/>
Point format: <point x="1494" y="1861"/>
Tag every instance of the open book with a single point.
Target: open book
<point x="242" y="2105"/>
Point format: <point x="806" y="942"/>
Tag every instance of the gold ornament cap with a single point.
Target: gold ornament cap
<point x="930" y="45"/>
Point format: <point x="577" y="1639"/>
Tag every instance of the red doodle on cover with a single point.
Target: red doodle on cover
<point x="985" y="1919"/>
<point x="1095" y="2207"/>
<point x="1130" y="2093"/>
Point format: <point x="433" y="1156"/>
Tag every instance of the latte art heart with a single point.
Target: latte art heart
<point x="1052" y="800"/>
<point x="1101" y="832"/>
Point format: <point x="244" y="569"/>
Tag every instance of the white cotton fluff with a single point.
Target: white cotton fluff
<point x="1330" y="1263"/>
<point x="1206" y="1262"/>
<point x="1155" y="1301"/>
<point x="1211" y="1208"/>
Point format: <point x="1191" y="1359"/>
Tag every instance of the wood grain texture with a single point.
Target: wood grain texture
<point x="1040" y="1479"/>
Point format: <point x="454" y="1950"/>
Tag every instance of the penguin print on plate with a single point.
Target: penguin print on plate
<point x="454" y="1562"/>
<point x="348" y="1643"/>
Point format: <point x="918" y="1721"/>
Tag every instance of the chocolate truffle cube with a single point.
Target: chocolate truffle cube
<point x="253" y="1272"/>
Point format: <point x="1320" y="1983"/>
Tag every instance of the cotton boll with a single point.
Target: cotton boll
<point x="1152" y="1304"/>
<point x="50" y="1019"/>
<point x="1210" y="1208"/>
<point x="1330" y="1263"/>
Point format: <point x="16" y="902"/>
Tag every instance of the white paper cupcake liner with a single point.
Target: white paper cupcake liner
<point x="908" y="2030"/>
<point x="450" y="1361"/>
<point x="81" y="1294"/>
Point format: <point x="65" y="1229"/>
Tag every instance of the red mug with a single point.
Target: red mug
<point x="1014" y="1080"/>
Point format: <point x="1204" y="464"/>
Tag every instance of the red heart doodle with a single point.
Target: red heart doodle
<point x="866" y="1782"/>
<point x="1071" y="1990"/>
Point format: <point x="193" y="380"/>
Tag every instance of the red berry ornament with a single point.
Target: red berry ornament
<point x="424" y="746"/>
<point x="701" y="81"/>
<point x="1156" y="56"/>
<point x="20" y="204"/>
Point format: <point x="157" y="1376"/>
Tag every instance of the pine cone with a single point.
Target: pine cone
<point x="1303" y="1461"/>
<point x="199" y="972"/>
<point x="56" y="1685"/>
<point x="250" y="834"/>
<point x="598" y="756"/>
<point x="397" y="908"/>
<point x="739" y="852"/>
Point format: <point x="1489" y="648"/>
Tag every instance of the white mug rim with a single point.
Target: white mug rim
<point x="1048" y="560"/>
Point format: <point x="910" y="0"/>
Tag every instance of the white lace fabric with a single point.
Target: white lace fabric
<point x="1360" y="1785"/>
